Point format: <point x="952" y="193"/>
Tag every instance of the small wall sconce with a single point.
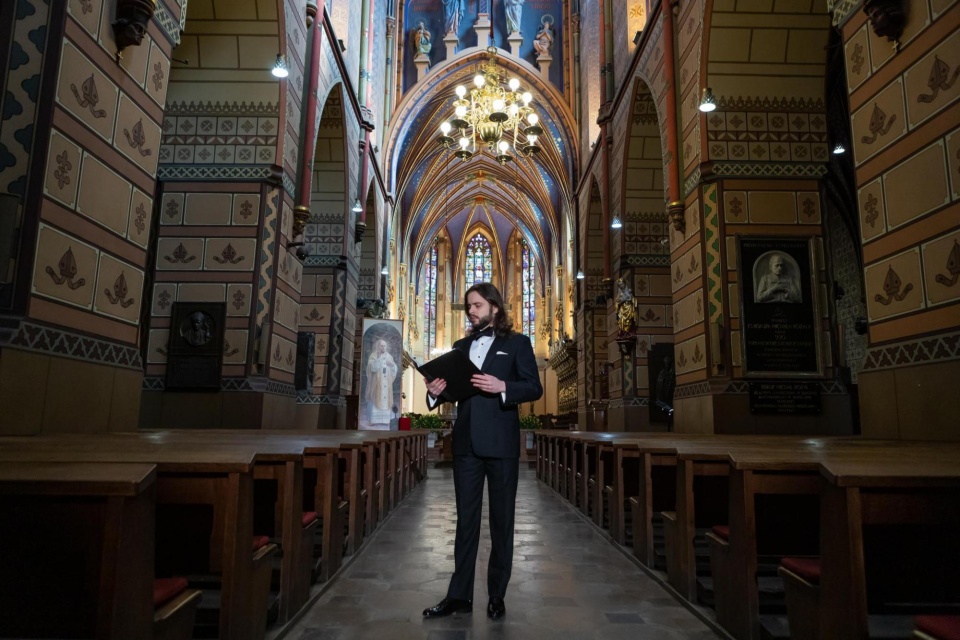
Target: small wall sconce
<point x="384" y="271"/>
<point x="356" y="207"/>
<point x="839" y="149"/>
<point x="616" y="223"/>
<point x="580" y="275"/>
<point x="280" y="67"/>
<point x="133" y="16"/>
<point x="707" y="102"/>
<point x="675" y="214"/>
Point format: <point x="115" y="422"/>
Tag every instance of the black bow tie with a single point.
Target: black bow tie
<point x="484" y="333"/>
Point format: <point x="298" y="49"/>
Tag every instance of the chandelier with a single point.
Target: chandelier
<point x="495" y="115"/>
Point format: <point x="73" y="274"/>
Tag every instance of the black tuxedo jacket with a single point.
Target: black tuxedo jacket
<point x="486" y="423"/>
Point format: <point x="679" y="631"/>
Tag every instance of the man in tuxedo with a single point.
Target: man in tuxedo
<point x="486" y="445"/>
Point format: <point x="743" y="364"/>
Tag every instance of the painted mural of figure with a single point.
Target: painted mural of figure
<point x="381" y="372"/>
<point x="421" y="40"/>
<point x="513" y="8"/>
<point x="543" y="43"/>
<point x="452" y="14"/>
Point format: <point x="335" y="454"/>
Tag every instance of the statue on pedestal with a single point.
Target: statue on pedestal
<point x="421" y="40"/>
<point x="513" y="8"/>
<point x="543" y="43"/>
<point x="626" y="308"/>
<point x="452" y="14"/>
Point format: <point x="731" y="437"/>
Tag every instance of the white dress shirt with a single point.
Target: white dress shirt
<point x="479" y="349"/>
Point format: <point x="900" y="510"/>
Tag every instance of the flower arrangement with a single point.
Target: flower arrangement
<point x="425" y="421"/>
<point x="529" y="421"/>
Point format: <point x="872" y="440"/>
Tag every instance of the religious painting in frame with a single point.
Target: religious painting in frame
<point x="380" y="374"/>
<point x="779" y="318"/>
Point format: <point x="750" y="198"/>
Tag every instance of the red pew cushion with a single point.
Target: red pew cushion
<point x="260" y="541"/>
<point x="308" y="517"/>
<point x="721" y="531"/>
<point x="166" y="589"/>
<point x="806" y="568"/>
<point x="940" y="627"/>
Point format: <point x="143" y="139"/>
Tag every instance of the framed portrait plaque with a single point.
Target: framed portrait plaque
<point x="195" y="349"/>
<point x="779" y="319"/>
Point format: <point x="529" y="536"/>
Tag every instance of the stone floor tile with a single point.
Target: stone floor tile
<point x="568" y="580"/>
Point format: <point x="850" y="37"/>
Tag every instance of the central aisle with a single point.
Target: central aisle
<point x="568" y="580"/>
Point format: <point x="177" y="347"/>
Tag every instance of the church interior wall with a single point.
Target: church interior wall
<point x="155" y="182"/>
<point x="83" y="221"/>
<point x="903" y="111"/>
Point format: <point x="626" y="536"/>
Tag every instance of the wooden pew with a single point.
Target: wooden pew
<point x="217" y="475"/>
<point x="278" y="459"/>
<point x="118" y="500"/>
<point x="858" y="492"/>
<point x="775" y="472"/>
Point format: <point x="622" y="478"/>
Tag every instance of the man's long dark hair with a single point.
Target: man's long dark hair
<point x="501" y="323"/>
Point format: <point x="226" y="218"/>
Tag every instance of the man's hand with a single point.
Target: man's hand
<point x="436" y="386"/>
<point x="488" y="383"/>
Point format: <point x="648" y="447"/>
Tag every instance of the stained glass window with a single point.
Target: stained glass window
<point x="528" y="296"/>
<point x="430" y="302"/>
<point x="479" y="261"/>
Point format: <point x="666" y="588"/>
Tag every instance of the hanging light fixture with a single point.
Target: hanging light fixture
<point x="493" y="116"/>
<point x="616" y="223"/>
<point x="707" y="102"/>
<point x="280" y="67"/>
<point x="580" y="275"/>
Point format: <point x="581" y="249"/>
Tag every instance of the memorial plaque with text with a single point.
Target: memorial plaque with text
<point x="785" y="398"/>
<point x="195" y="350"/>
<point x="778" y="311"/>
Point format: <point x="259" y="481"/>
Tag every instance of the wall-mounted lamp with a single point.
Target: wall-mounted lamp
<point x="616" y="223"/>
<point x="707" y="102"/>
<point x="133" y="16"/>
<point x="675" y="211"/>
<point x="280" y="67"/>
<point x="384" y="271"/>
<point x="839" y="149"/>
<point x="356" y="207"/>
<point x="580" y="275"/>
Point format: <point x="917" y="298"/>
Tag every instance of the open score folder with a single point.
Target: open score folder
<point x="455" y="367"/>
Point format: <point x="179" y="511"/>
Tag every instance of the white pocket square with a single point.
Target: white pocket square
<point x="501" y="353"/>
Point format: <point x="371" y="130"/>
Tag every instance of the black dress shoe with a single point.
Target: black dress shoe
<point x="496" y="608"/>
<point x="448" y="606"/>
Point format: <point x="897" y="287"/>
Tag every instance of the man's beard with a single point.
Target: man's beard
<point x="481" y="323"/>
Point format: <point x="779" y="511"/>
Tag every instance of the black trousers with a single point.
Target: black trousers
<point x="501" y="474"/>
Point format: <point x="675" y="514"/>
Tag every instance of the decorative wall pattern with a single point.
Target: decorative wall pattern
<point x="767" y="130"/>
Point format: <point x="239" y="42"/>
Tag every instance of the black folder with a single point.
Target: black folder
<point x="456" y="368"/>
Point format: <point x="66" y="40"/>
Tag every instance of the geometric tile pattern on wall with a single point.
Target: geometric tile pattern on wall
<point x="711" y="241"/>
<point x="266" y="284"/>
<point x="767" y="130"/>
<point x="228" y="140"/>
<point x="324" y="234"/>
<point x="34" y="336"/>
<point x="912" y="352"/>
